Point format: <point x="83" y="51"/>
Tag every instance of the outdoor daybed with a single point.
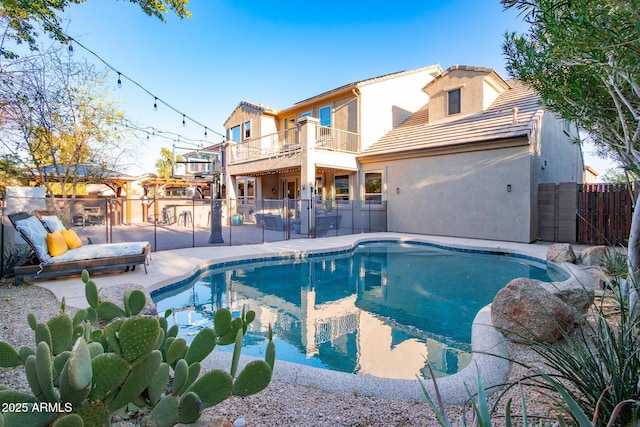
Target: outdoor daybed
<point x="50" y="258"/>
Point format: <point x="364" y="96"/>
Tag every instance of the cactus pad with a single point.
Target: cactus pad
<point x="61" y="328"/>
<point x="109" y="311"/>
<point x="138" y="380"/>
<point x="176" y="350"/>
<point x="69" y="420"/>
<point x="165" y="413"/>
<point x="203" y="344"/>
<point x="80" y="372"/>
<point x="109" y="371"/>
<point x="32" y="321"/>
<point x="28" y="418"/>
<point x="222" y="321"/>
<point x="158" y="383"/>
<point x="9" y="357"/>
<point x="79" y="317"/>
<point x="134" y="301"/>
<point x="45" y="372"/>
<point x="95" y="348"/>
<point x="67" y="392"/>
<point x="138" y="336"/>
<point x="180" y="377"/>
<point x="190" y="408"/>
<point x="43" y="334"/>
<point x="90" y="291"/>
<point x="95" y="414"/>
<point x="213" y="387"/>
<point x="32" y="377"/>
<point x="25" y="352"/>
<point x="252" y="379"/>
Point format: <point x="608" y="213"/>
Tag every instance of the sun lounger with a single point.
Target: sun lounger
<point x="73" y="261"/>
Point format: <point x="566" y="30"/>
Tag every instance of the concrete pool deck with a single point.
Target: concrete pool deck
<point x="169" y="267"/>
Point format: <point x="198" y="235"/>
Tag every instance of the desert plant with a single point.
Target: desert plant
<point x="598" y="365"/>
<point x="615" y="264"/>
<point x="482" y="416"/>
<point x="82" y="375"/>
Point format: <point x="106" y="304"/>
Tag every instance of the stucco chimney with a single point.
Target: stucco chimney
<point x="514" y="120"/>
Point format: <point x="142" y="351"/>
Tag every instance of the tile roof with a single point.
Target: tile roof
<point x="493" y="124"/>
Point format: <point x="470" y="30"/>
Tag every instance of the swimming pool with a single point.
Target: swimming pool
<point x="383" y="309"/>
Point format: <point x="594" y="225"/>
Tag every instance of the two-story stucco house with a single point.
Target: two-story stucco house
<point x="456" y="152"/>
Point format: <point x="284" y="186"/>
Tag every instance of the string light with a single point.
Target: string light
<point x="205" y="132"/>
<point x="121" y="76"/>
<point x="70" y="47"/>
<point x="119" y="80"/>
<point x="184" y="124"/>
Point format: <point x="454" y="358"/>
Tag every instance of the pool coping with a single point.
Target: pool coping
<point x="489" y="346"/>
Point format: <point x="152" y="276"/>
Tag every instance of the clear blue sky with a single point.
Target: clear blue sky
<point x="275" y="53"/>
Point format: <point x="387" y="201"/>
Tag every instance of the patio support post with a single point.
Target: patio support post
<point x="307" y="135"/>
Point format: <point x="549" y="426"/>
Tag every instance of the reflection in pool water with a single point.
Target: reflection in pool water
<point x="383" y="309"/>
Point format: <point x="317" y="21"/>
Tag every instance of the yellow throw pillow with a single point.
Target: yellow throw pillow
<point x="72" y="239"/>
<point x="57" y="245"/>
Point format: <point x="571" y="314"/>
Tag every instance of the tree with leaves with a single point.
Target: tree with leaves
<point x="59" y="124"/>
<point x="24" y="19"/>
<point x="165" y="164"/>
<point x="581" y="56"/>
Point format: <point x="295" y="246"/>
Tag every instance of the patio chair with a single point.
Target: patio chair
<point x="71" y="261"/>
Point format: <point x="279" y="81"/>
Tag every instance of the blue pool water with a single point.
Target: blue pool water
<point x="383" y="309"/>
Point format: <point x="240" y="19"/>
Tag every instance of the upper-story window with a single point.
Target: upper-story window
<point x="325" y="116"/>
<point x="235" y="133"/>
<point x="247" y="130"/>
<point x="453" y="101"/>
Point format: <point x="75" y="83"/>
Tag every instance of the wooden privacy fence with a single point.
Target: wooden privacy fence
<point x="594" y="214"/>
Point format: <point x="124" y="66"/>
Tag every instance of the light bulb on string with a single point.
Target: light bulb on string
<point x="155" y="104"/>
<point x="205" y="132"/>
<point x="184" y="124"/>
<point x="70" y="47"/>
<point x="119" y="81"/>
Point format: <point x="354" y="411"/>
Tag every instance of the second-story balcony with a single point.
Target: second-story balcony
<point x="286" y="142"/>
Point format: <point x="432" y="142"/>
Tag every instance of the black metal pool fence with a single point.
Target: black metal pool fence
<point x="174" y="223"/>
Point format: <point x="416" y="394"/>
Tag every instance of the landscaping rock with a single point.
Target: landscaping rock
<point x="561" y="252"/>
<point x="576" y="296"/>
<point x="595" y="255"/>
<point x="524" y="310"/>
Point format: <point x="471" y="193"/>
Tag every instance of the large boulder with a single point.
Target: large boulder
<point x="575" y="295"/>
<point x="595" y="255"/>
<point x="561" y="252"/>
<point x="524" y="311"/>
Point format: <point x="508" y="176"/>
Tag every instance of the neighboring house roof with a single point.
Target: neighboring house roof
<point x="493" y="124"/>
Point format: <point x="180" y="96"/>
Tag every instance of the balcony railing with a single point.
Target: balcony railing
<point x="288" y="141"/>
<point x="328" y="138"/>
<point x="271" y="145"/>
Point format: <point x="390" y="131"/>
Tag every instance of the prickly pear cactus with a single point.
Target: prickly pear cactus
<point x="128" y="363"/>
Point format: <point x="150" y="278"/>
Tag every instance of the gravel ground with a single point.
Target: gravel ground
<point x="281" y="404"/>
